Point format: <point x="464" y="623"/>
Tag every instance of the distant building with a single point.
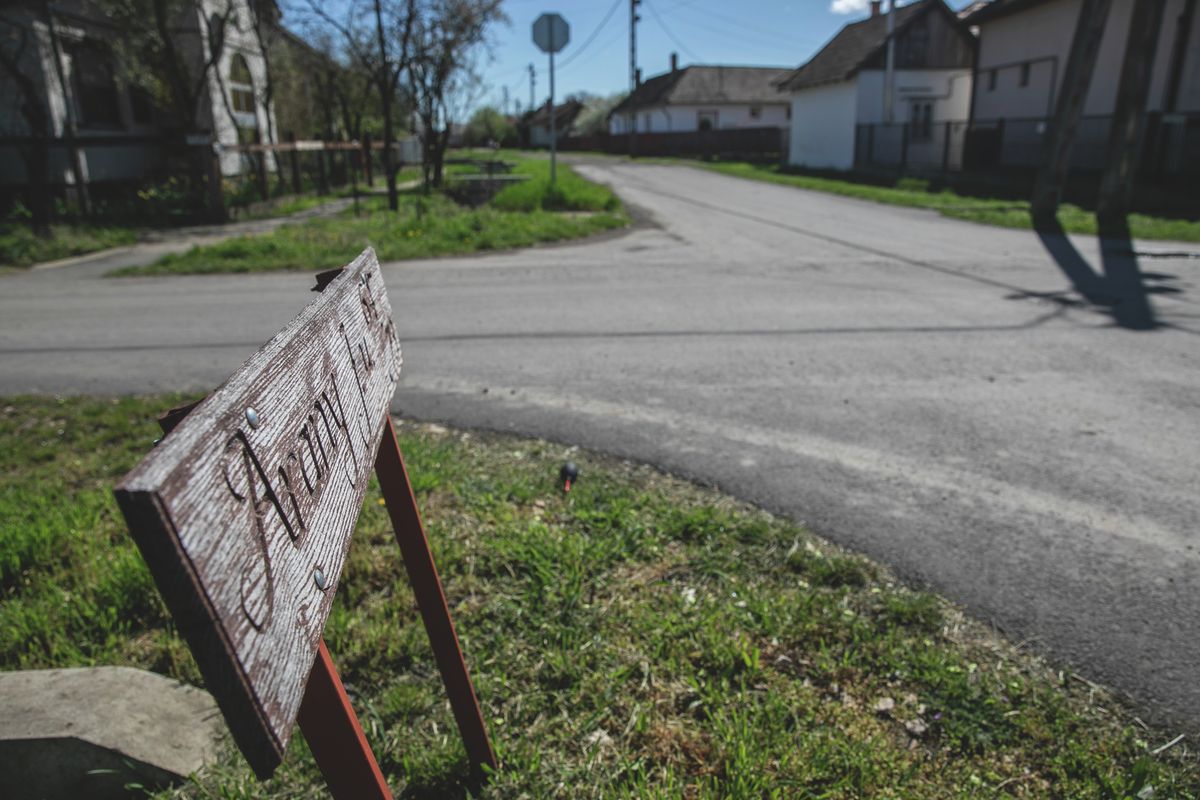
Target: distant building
<point x="85" y="88"/>
<point x="843" y="87"/>
<point x="703" y="97"/>
<point x="1023" y="49"/>
<point x="535" y="127"/>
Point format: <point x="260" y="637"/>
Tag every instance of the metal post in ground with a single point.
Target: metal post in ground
<point x="322" y="180"/>
<point x="294" y="161"/>
<point x="366" y="151"/>
<point x="946" y="148"/>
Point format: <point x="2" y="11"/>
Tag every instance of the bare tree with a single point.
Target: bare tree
<point x="447" y="35"/>
<point x="264" y="19"/>
<point x="1129" y="116"/>
<point x="1056" y="153"/>
<point x="377" y="35"/>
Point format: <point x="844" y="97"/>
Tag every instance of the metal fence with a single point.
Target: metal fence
<point x="1170" y="146"/>
<point x="122" y="174"/>
<point x="753" y="143"/>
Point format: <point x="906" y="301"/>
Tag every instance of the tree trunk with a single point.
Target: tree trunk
<point x="387" y="92"/>
<point x="1129" y="118"/>
<point x="37" y="164"/>
<point x="1056" y="153"/>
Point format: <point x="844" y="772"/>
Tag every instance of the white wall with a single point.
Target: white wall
<point x="1042" y="35"/>
<point x="685" y="118"/>
<point x="822" y="132"/>
<point x="239" y="39"/>
<point x="948" y="89"/>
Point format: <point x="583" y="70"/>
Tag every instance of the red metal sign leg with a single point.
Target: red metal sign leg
<point x="336" y="738"/>
<point x="431" y="600"/>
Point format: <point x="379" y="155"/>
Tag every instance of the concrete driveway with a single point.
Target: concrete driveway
<point x="932" y="393"/>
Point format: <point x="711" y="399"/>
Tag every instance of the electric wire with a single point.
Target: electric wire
<point x="687" y="50"/>
<point x="596" y="32"/>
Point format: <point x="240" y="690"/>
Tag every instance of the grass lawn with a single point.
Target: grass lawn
<point x="424" y="227"/>
<point x="915" y="193"/>
<point x="20" y="248"/>
<point x="639" y="637"/>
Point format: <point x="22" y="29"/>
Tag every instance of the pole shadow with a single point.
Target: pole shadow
<point x="1120" y="290"/>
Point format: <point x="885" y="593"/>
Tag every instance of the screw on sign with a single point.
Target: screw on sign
<point x="244" y="514"/>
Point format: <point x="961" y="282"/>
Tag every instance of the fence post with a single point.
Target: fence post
<point x="903" y="146"/>
<point x="260" y="168"/>
<point x="294" y="159"/>
<point x="322" y="183"/>
<point x="216" y="198"/>
<point x="366" y="146"/>
<point x="1000" y="143"/>
<point x="946" y="148"/>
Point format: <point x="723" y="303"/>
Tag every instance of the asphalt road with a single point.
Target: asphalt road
<point x="929" y="392"/>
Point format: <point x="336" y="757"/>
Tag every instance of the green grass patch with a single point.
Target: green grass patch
<point x="423" y="227"/>
<point x="19" y="247"/>
<point x="570" y="192"/>
<point x="917" y="193"/>
<point x="639" y="637"/>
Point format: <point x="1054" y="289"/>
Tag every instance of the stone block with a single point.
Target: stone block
<point x="93" y="732"/>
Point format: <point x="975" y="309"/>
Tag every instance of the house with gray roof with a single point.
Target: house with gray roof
<point x="844" y="87"/>
<point x="703" y="97"/>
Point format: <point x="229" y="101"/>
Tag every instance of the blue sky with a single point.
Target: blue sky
<point x="759" y="32"/>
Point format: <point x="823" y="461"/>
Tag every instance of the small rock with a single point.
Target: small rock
<point x="916" y="727"/>
<point x="884" y="705"/>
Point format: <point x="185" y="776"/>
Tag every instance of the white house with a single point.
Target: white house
<point x="839" y="98"/>
<point x="702" y="97"/>
<point x="537" y="124"/>
<point x="1023" y="48"/>
<point x="84" y="89"/>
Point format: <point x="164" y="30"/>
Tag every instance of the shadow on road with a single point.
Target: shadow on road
<point x="1121" y="290"/>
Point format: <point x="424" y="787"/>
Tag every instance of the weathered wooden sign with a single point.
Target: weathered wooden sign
<point x="244" y="512"/>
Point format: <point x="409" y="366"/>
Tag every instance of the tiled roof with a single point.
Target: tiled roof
<point x="1000" y="8"/>
<point x="854" y="44"/>
<point x="701" y="84"/>
<point x="564" y="114"/>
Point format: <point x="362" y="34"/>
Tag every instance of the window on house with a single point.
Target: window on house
<point x="920" y="121"/>
<point x="241" y="85"/>
<point x="755" y="112"/>
<point x="94" y="85"/>
<point x="646" y="121"/>
<point x="1025" y="74"/>
<point x="991" y="80"/>
<point x="706" y="120"/>
<point x="788" y="111"/>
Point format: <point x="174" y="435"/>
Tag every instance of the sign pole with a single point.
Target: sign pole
<point x="553" y="124"/>
<point x="551" y="34"/>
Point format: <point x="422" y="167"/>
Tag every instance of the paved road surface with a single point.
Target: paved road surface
<point x="923" y="390"/>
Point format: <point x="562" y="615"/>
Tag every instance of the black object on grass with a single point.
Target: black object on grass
<point x="568" y="475"/>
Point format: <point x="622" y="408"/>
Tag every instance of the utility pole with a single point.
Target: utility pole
<point x="532" y="86"/>
<point x="504" y="103"/>
<point x="634" y="19"/>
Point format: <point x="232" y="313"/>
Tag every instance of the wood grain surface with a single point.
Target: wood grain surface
<point x="244" y="512"/>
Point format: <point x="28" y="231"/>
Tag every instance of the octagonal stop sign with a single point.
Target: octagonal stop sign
<point x="551" y="33"/>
